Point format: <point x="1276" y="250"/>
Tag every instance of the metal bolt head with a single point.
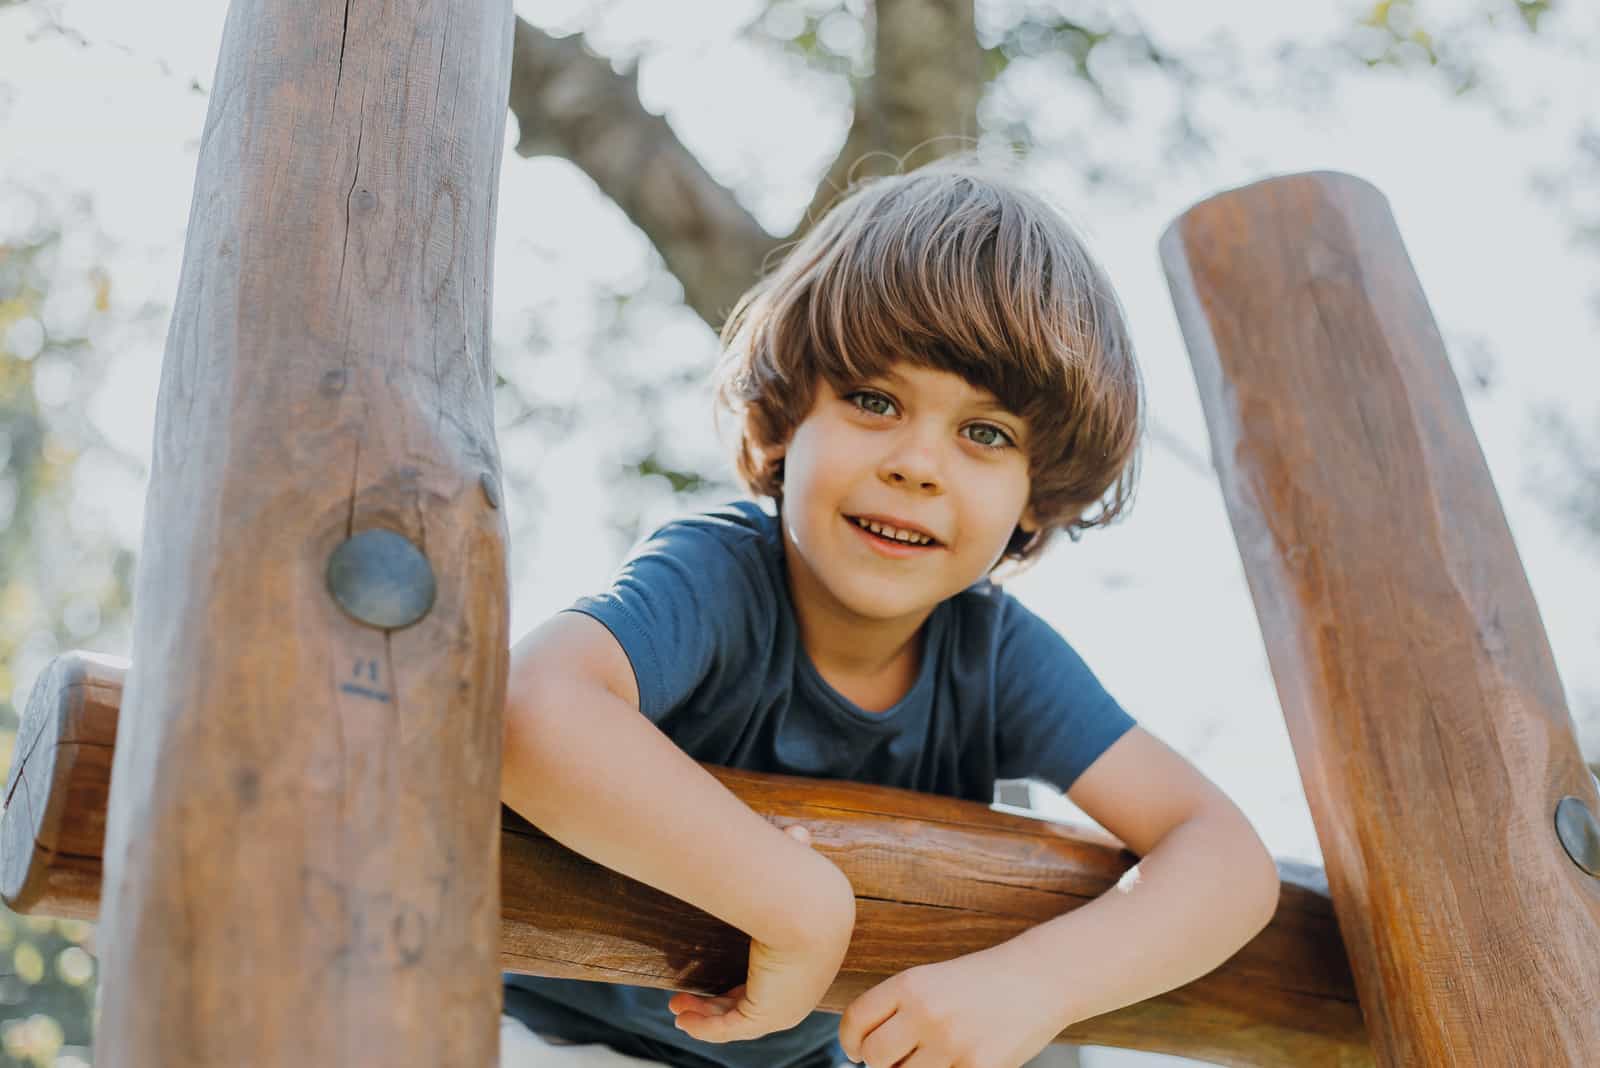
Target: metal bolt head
<point x="381" y="579"/>
<point x="1579" y="832"/>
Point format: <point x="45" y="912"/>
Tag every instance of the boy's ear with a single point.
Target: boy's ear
<point x="753" y="435"/>
<point x="1029" y="523"/>
<point x="771" y="455"/>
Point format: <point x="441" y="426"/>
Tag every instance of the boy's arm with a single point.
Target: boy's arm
<point x="1206" y="885"/>
<point x="585" y="766"/>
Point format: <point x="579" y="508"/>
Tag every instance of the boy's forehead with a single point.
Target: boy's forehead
<point x="905" y="373"/>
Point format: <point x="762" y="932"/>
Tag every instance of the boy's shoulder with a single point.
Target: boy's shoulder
<point x="984" y="597"/>
<point x="988" y="609"/>
<point x="734" y="542"/>
<point x="735" y="520"/>
<point x="743" y="526"/>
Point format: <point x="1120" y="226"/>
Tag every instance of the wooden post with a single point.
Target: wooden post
<point x="300" y="860"/>
<point x="934" y="878"/>
<point x="1419" y="689"/>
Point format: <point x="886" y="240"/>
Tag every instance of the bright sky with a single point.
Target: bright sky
<point x="1158" y="604"/>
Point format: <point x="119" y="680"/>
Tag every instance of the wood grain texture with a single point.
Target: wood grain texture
<point x="1418" y="686"/>
<point x="934" y="878"/>
<point x="302" y="837"/>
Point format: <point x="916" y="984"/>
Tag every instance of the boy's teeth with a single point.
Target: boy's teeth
<point x="894" y="533"/>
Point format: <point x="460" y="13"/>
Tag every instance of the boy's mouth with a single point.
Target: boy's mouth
<point x="889" y="535"/>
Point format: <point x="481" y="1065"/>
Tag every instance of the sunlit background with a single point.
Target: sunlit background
<point x="1478" y="120"/>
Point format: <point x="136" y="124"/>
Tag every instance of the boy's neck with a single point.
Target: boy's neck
<point x="875" y="680"/>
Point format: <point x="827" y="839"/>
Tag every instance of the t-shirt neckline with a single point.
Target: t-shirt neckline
<point x="893" y="713"/>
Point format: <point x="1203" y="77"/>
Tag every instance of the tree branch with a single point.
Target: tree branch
<point x="569" y="102"/>
<point x="921" y="101"/>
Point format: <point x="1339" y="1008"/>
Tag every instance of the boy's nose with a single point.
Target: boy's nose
<point x="922" y="483"/>
<point x="915" y="468"/>
<point x="912" y="460"/>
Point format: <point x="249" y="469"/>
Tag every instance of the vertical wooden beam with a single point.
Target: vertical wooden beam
<point x="301" y="860"/>
<point x="1419" y="689"/>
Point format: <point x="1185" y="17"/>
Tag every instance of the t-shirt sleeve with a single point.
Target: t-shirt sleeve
<point x="1053" y="717"/>
<point x="677" y="605"/>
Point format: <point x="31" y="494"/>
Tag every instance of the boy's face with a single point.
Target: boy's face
<point x="921" y="446"/>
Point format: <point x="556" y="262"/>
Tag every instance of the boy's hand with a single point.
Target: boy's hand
<point x="783" y="987"/>
<point x="978" y="1011"/>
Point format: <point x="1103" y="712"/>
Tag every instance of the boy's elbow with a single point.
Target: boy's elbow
<point x="515" y="749"/>
<point x="1273" y="892"/>
<point x="1262" y="887"/>
<point x="1269" y="889"/>
<point x="515" y="724"/>
<point x="526" y="740"/>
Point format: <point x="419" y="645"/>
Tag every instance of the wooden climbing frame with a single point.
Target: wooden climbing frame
<point x="294" y="782"/>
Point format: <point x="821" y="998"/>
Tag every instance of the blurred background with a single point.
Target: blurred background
<point x="1479" y="119"/>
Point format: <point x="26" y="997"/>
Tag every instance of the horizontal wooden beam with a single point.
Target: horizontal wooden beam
<point x="934" y="878"/>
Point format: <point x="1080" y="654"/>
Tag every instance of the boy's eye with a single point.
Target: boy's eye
<point x="868" y="401"/>
<point x="989" y="436"/>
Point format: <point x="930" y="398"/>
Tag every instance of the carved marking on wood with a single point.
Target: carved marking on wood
<point x="371" y="667"/>
<point x="370" y="928"/>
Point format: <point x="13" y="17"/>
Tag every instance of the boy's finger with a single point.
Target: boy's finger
<point x="704" y="1006"/>
<point x="729" y="1027"/>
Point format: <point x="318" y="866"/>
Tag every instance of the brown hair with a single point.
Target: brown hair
<point x="957" y="268"/>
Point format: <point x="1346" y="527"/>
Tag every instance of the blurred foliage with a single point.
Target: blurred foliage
<point x="827" y="35"/>
<point x="1094" y="45"/>
<point x="1398" y="33"/>
<point x="680" y="481"/>
<point x="1572" y="482"/>
<point x="65" y="582"/>
<point x="1571" y="475"/>
<point x="47" y="973"/>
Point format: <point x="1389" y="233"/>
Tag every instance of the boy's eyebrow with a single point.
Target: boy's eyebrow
<point x="986" y="401"/>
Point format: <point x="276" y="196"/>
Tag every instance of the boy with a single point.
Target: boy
<point x="936" y="380"/>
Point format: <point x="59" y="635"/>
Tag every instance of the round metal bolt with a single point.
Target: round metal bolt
<point x="1579" y="832"/>
<point x="381" y="579"/>
<point x="491" y="492"/>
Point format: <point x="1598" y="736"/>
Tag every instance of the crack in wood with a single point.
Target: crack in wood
<point x="344" y="35"/>
<point x="355" y="176"/>
<point x="355" y="472"/>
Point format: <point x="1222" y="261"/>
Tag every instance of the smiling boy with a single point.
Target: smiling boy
<point x="935" y="382"/>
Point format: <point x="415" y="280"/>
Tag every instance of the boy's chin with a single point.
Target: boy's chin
<point x="888" y="601"/>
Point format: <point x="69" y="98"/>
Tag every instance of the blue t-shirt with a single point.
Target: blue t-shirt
<point x="702" y="610"/>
